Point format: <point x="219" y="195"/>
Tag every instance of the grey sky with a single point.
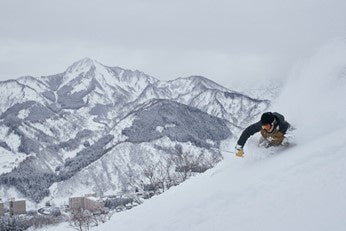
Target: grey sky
<point x="229" y="42"/>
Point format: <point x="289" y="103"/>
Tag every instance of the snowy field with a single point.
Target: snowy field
<point x="299" y="188"/>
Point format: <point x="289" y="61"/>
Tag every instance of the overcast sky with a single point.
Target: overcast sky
<point x="230" y="42"/>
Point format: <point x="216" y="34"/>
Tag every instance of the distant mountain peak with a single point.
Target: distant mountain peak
<point x="83" y="65"/>
<point x="85" y="61"/>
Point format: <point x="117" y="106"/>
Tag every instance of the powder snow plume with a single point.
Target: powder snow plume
<point x="312" y="99"/>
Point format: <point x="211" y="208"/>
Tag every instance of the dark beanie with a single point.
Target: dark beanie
<point x="267" y="118"/>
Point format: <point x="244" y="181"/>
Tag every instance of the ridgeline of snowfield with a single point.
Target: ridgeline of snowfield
<point x="299" y="188"/>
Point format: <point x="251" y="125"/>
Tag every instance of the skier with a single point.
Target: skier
<point x="272" y="126"/>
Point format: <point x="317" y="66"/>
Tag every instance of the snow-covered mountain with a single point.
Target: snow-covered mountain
<point x="59" y="129"/>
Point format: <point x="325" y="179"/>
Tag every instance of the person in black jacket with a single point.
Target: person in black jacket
<point x="272" y="126"/>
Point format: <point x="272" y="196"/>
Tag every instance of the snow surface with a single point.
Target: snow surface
<point x="297" y="188"/>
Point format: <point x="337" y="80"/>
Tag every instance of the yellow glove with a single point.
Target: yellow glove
<point x="239" y="152"/>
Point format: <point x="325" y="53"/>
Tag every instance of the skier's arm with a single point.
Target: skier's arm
<point x="249" y="131"/>
<point x="284" y="125"/>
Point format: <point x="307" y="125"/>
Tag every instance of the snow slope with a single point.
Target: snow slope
<point x="302" y="188"/>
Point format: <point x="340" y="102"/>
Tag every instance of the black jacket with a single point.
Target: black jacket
<point x="280" y="124"/>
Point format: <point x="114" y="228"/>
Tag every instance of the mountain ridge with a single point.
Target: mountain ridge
<point x="52" y="120"/>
